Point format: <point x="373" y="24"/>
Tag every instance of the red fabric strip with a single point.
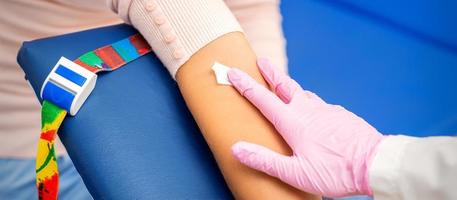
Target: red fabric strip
<point x="140" y="44"/>
<point x="88" y="67"/>
<point x="49" y="135"/>
<point x="110" y="57"/>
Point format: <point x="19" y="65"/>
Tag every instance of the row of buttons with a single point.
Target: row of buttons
<point x="159" y="19"/>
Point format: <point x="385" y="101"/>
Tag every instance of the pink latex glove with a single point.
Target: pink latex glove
<point x="332" y="147"/>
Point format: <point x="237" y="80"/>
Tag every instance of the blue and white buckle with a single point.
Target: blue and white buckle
<point x="68" y="85"/>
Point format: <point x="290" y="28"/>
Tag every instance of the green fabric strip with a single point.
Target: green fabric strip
<point x="49" y="114"/>
<point x="90" y="58"/>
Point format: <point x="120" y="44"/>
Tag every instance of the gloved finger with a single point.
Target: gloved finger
<point x="281" y="83"/>
<point x="262" y="98"/>
<point x="309" y="95"/>
<point x="261" y="158"/>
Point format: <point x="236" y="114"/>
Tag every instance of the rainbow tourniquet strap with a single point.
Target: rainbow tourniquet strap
<point x="56" y="105"/>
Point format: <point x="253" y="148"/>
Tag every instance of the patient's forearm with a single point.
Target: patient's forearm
<point x="224" y="117"/>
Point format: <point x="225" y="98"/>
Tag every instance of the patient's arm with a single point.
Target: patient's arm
<point x="224" y="117"/>
<point x="194" y="34"/>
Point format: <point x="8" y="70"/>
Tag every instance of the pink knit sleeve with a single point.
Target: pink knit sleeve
<point x="189" y="25"/>
<point x="177" y="29"/>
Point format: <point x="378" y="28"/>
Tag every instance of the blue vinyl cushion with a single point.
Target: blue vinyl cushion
<point x="135" y="139"/>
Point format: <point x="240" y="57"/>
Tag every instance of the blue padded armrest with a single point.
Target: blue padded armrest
<point x="134" y="137"/>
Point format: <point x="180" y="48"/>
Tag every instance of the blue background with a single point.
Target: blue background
<point x="394" y="63"/>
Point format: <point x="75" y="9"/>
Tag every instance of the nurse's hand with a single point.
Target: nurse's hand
<point x="332" y="147"/>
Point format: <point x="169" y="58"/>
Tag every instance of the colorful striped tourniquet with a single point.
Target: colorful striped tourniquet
<point x="106" y="58"/>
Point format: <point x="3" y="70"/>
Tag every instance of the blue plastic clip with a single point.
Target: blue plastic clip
<point x="68" y="85"/>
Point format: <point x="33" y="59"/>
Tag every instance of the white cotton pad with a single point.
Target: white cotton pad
<point x="220" y="71"/>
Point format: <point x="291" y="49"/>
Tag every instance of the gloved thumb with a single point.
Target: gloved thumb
<point x="261" y="158"/>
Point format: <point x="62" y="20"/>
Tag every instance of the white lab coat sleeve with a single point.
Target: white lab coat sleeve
<point x="415" y="168"/>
